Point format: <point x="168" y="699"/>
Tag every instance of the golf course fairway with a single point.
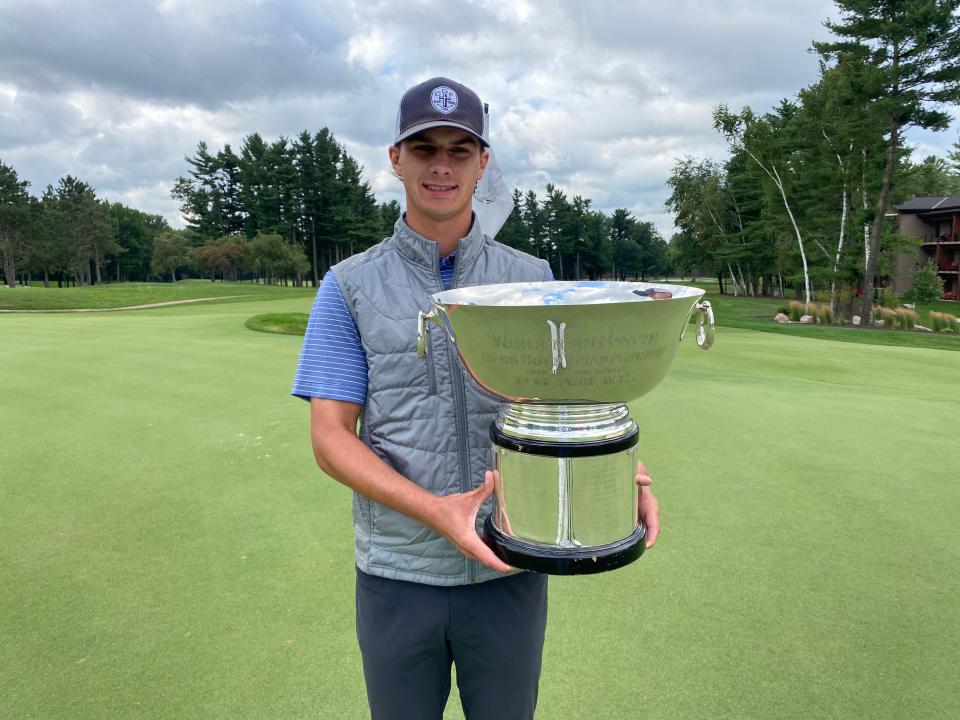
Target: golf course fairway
<point x="168" y="548"/>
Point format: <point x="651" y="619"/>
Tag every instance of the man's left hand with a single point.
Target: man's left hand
<point x="648" y="509"/>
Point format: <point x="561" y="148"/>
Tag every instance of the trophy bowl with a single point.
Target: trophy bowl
<point x="566" y="357"/>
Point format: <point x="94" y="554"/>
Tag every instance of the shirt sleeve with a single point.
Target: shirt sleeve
<point x="332" y="363"/>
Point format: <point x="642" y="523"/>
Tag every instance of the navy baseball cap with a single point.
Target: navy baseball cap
<point x="440" y="102"/>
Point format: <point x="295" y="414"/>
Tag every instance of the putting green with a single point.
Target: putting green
<point x="168" y="549"/>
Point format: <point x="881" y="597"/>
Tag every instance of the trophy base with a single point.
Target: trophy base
<point x="584" y="560"/>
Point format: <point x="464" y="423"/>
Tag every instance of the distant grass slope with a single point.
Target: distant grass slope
<point x="115" y="295"/>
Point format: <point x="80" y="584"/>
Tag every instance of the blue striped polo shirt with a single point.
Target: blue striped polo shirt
<point x="332" y="363"/>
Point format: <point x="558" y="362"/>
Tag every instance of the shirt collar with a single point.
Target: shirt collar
<point x="422" y="251"/>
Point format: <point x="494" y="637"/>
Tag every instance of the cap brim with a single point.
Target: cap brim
<point x="414" y="129"/>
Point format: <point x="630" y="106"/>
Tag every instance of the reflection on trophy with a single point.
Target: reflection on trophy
<point x="566" y="357"/>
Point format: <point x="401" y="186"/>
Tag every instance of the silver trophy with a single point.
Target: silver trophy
<point x="566" y="357"/>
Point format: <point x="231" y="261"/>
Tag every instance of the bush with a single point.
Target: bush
<point x="888" y="316"/>
<point x="824" y="314"/>
<point x="927" y="285"/>
<point x="944" y="322"/>
<point x="888" y="298"/>
<point x="938" y="321"/>
<point x="797" y="309"/>
<point x="906" y="317"/>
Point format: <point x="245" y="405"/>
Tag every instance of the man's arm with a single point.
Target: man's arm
<point x="341" y="454"/>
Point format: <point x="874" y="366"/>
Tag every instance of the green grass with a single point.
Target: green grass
<point x="168" y="548"/>
<point x="280" y="323"/>
<point x="115" y="295"/>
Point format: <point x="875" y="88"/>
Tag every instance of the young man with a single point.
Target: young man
<point x="429" y="591"/>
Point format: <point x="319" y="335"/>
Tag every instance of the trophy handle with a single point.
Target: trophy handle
<point x="422" y="318"/>
<point x="435" y="316"/>
<point x="706" y="331"/>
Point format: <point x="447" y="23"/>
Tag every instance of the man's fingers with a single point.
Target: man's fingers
<point x="650" y="515"/>
<point x="643" y="477"/>
<point x="653" y="530"/>
<point x="489" y="484"/>
<point x="479" y="550"/>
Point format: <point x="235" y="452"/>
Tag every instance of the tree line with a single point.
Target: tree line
<point x="310" y="192"/>
<point x="583" y="243"/>
<point x="70" y="235"/>
<point x="804" y="197"/>
<point x="278" y="211"/>
<point x="306" y="191"/>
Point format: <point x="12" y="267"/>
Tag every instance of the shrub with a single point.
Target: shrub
<point x="797" y="309"/>
<point x="938" y="321"/>
<point x="888" y="316"/>
<point x="824" y="314"/>
<point x="888" y="298"/>
<point x="927" y="285"/>
<point x="944" y="322"/>
<point x="906" y="317"/>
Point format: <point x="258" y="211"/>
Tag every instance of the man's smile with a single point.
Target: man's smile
<point x="440" y="189"/>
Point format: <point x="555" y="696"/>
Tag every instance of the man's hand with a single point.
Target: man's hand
<point x="648" y="509"/>
<point x="455" y="518"/>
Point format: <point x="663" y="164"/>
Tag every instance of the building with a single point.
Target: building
<point x="936" y="221"/>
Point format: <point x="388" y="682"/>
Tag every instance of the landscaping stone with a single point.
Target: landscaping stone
<point x="856" y="320"/>
<point x="781" y="318"/>
<point x="806" y="319"/>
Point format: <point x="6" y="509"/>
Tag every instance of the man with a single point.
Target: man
<point x="430" y="592"/>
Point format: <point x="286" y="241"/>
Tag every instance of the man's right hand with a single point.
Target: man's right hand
<point x="455" y="517"/>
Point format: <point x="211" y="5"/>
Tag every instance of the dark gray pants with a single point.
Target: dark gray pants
<point x="410" y="634"/>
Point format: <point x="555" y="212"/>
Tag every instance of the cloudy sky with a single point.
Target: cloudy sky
<point x="598" y="97"/>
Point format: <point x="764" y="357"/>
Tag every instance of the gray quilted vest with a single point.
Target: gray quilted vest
<point x="425" y="418"/>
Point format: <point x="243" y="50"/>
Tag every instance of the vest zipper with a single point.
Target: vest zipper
<point x="431" y="369"/>
<point x="460" y="409"/>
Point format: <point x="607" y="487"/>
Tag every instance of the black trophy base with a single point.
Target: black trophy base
<point x="565" y="561"/>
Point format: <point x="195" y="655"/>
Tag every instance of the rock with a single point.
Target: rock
<point x="856" y="320"/>
<point x="806" y="319"/>
<point x="781" y="318"/>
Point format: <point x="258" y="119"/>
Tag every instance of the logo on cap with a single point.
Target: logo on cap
<point x="444" y="99"/>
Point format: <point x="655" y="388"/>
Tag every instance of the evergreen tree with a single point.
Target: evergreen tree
<point x="389" y="214"/>
<point x="533" y="222"/>
<point x="914" y="48"/>
<point x="927" y="285"/>
<point x="514" y="231"/>
<point x="14" y="221"/>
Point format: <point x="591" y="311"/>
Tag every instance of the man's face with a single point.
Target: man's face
<point x="440" y="168"/>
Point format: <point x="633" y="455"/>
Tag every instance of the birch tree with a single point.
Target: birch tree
<point x="755" y="137"/>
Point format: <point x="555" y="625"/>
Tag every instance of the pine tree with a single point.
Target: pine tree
<point x="913" y="46"/>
